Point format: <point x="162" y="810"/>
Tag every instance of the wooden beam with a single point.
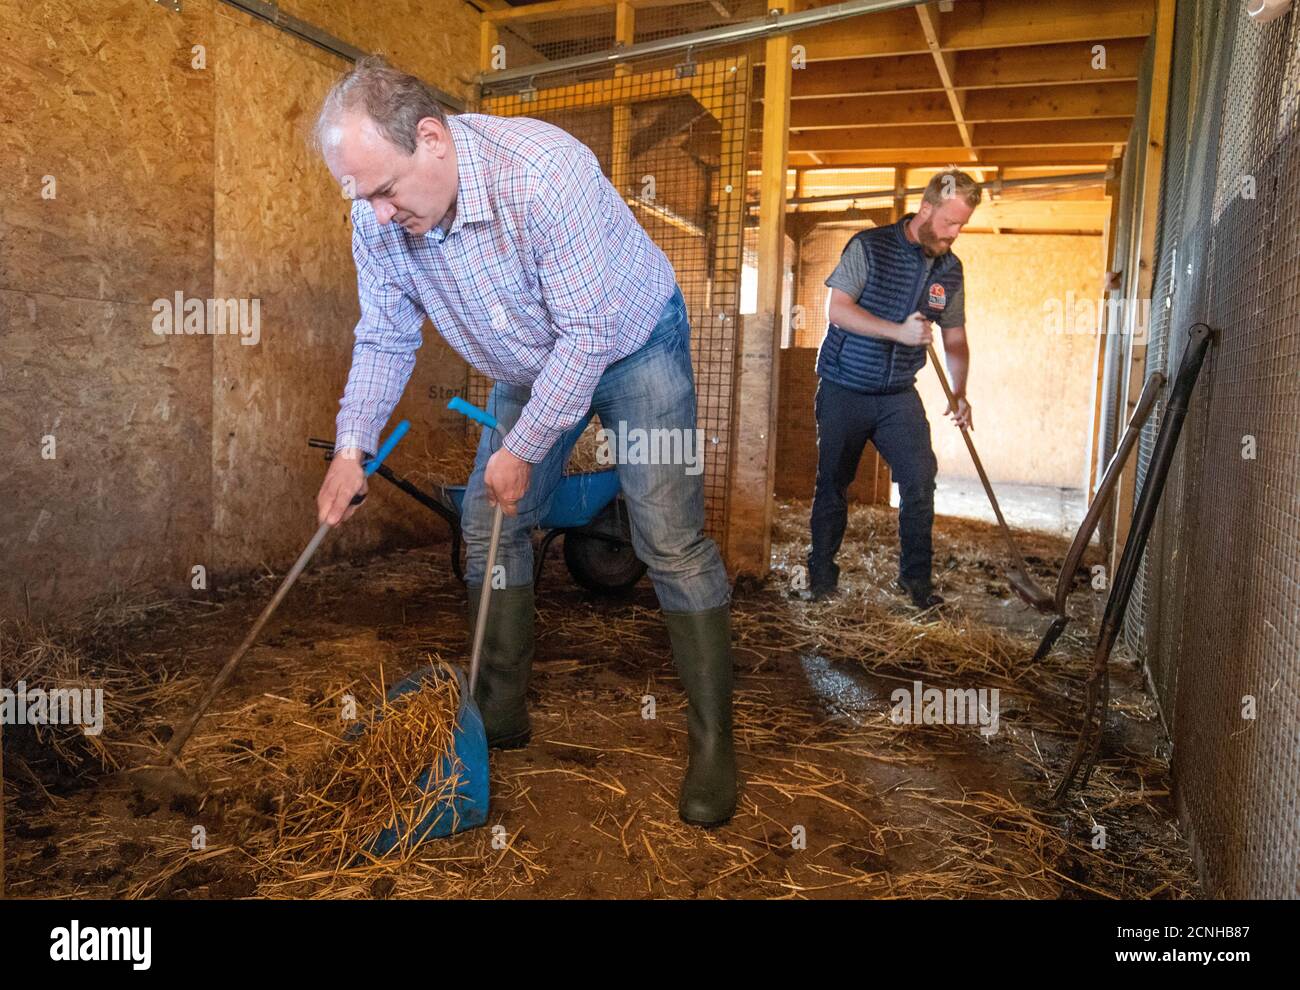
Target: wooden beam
<point x="624" y="33"/>
<point x="488" y="39"/>
<point x="928" y="14"/>
<point x="1052" y="102"/>
<point x="633" y="89"/>
<point x="983" y="106"/>
<point x="748" y="541"/>
<point x="1050" y="64"/>
<point x="1036" y="65"/>
<point x="553" y="9"/>
<point x="548" y="11"/>
<point x="1146" y="262"/>
<point x="1095" y="155"/>
<point x="1098" y="130"/>
<point x="1032" y="134"/>
<point x="1103" y="328"/>
<point x="865" y="76"/>
<point x="988" y="25"/>
<point x="1004" y="25"/>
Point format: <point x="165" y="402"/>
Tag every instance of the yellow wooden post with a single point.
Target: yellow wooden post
<point x="748" y="546"/>
<point x="1146" y="261"/>
<point x="1103" y="328"/>
<point x="488" y="38"/>
<point x="624" y="34"/>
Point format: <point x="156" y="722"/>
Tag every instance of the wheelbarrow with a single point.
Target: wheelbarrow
<point x="587" y="510"/>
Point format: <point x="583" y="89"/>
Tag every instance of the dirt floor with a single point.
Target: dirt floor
<point x="837" y="800"/>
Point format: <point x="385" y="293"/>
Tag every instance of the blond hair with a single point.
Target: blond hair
<point x="951" y="182"/>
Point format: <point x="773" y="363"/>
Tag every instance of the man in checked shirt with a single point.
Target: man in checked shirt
<point x="507" y="236"/>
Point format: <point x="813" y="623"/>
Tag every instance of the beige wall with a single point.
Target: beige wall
<point x="1031" y="390"/>
<point x="177" y="451"/>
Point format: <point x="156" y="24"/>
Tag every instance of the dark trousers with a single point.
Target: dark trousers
<point x="896" y="424"/>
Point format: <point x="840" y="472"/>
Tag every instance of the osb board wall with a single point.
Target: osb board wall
<point x="101" y="97"/>
<point x="796" y="437"/>
<point x="173" y="451"/>
<point x="1030" y="389"/>
<point x="287" y="243"/>
<point x="438" y="40"/>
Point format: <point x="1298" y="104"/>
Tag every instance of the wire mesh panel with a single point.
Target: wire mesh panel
<point x="671" y="138"/>
<point x="817" y="253"/>
<point x="1202" y="59"/>
<point x="1127" y="233"/>
<point x="536" y="41"/>
<point x="653" y="23"/>
<point x="1220" y="615"/>
<point x="1158" y="322"/>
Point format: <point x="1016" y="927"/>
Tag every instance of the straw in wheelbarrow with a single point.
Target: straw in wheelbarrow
<point x="169" y="778"/>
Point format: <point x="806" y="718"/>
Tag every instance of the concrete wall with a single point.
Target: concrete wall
<point x="166" y="177"/>
<point x="1031" y="389"/>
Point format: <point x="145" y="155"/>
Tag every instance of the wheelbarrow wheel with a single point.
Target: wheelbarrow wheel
<point x="606" y="567"/>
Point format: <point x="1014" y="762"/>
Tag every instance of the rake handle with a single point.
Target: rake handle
<point x="183" y="734"/>
<point x="1016" y="556"/>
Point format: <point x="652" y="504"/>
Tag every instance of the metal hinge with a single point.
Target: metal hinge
<point x="173" y="5"/>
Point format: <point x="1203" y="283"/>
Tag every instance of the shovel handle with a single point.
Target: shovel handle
<point x="473" y="412"/>
<point x="386" y="448"/>
<point x="468" y="409"/>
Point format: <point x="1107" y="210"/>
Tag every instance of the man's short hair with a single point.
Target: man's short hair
<point x="952" y="182"/>
<point x="396" y="101"/>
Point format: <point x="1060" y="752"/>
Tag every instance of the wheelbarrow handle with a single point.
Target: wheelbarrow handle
<point x="457" y="404"/>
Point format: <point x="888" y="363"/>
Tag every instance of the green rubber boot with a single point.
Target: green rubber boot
<point x="504" y="665"/>
<point x="701" y="644"/>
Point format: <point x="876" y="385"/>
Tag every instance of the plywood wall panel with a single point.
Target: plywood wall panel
<point x="126" y="500"/>
<point x="437" y="40"/>
<point x="102" y="97"/>
<point x="1031" y="388"/>
<point x="173" y="451"/>
<point x="283" y="237"/>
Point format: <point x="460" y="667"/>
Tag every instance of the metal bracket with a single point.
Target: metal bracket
<point x="173" y="5"/>
<point x="686" y="68"/>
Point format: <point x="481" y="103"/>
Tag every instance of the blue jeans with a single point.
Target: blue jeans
<point x="896" y="424"/>
<point x="651" y="389"/>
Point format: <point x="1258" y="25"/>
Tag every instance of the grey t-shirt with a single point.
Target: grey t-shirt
<point x="851" y="275"/>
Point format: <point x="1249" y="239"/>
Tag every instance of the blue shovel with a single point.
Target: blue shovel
<point x="467" y="807"/>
